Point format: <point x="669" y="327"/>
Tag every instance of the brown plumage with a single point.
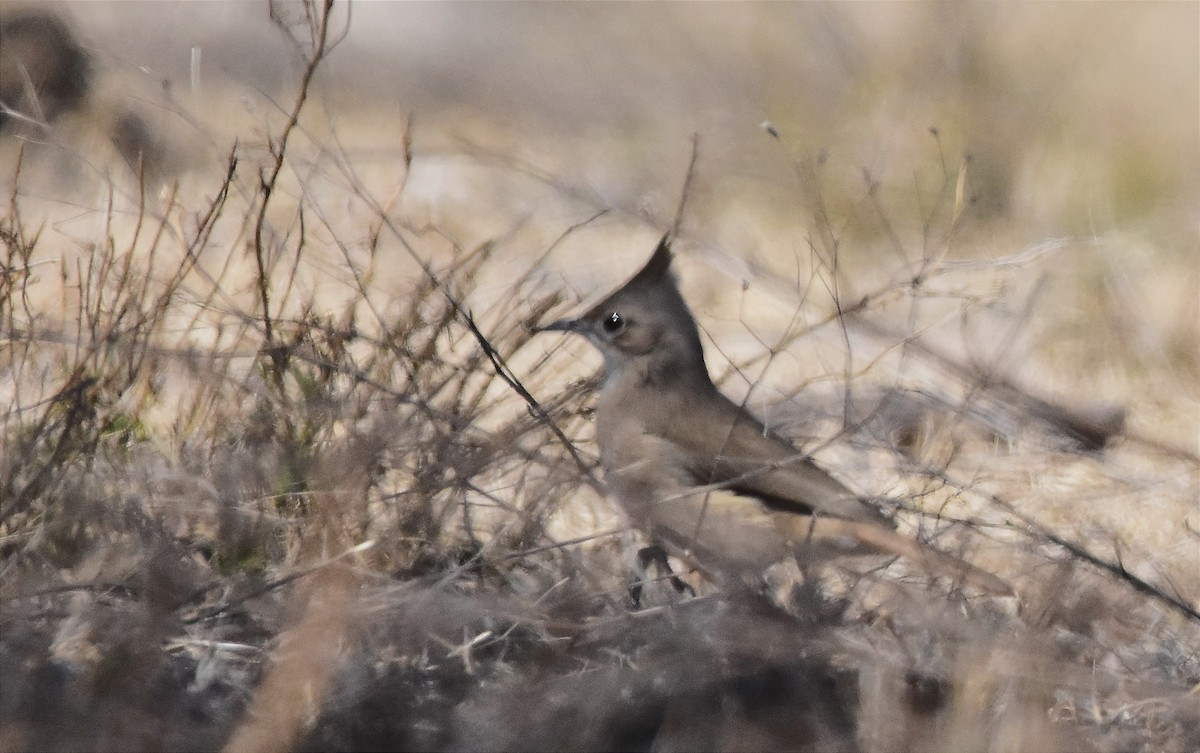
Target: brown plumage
<point x="697" y="471"/>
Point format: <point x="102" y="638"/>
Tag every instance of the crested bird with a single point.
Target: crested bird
<point x="698" y="472"/>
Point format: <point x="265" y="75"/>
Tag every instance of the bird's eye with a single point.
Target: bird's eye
<point x="613" y="323"/>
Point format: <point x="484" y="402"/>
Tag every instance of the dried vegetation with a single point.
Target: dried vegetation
<point x="278" y="472"/>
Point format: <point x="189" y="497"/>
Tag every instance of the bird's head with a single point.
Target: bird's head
<point x="645" y="327"/>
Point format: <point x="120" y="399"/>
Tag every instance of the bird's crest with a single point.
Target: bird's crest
<point x="658" y="266"/>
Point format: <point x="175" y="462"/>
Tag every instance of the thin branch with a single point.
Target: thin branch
<point x="1038" y="531"/>
<point x="505" y="373"/>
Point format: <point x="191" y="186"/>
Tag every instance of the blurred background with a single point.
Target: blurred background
<point x="1076" y="124"/>
<point x="1077" y="117"/>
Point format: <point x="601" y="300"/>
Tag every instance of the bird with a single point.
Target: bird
<point x="699" y="473"/>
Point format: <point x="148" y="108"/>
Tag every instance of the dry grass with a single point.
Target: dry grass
<point x="282" y="466"/>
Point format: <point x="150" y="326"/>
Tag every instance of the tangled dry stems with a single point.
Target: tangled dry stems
<point x="233" y="514"/>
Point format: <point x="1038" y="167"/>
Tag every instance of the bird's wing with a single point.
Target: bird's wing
<point x="747" y="458"/>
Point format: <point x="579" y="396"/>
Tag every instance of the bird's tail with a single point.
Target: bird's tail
<point x="886" y="541"/>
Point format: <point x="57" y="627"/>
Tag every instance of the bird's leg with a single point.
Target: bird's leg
<point x="654" y="555"/>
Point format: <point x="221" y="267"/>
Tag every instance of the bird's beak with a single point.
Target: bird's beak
<point x="562" y="325"/>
